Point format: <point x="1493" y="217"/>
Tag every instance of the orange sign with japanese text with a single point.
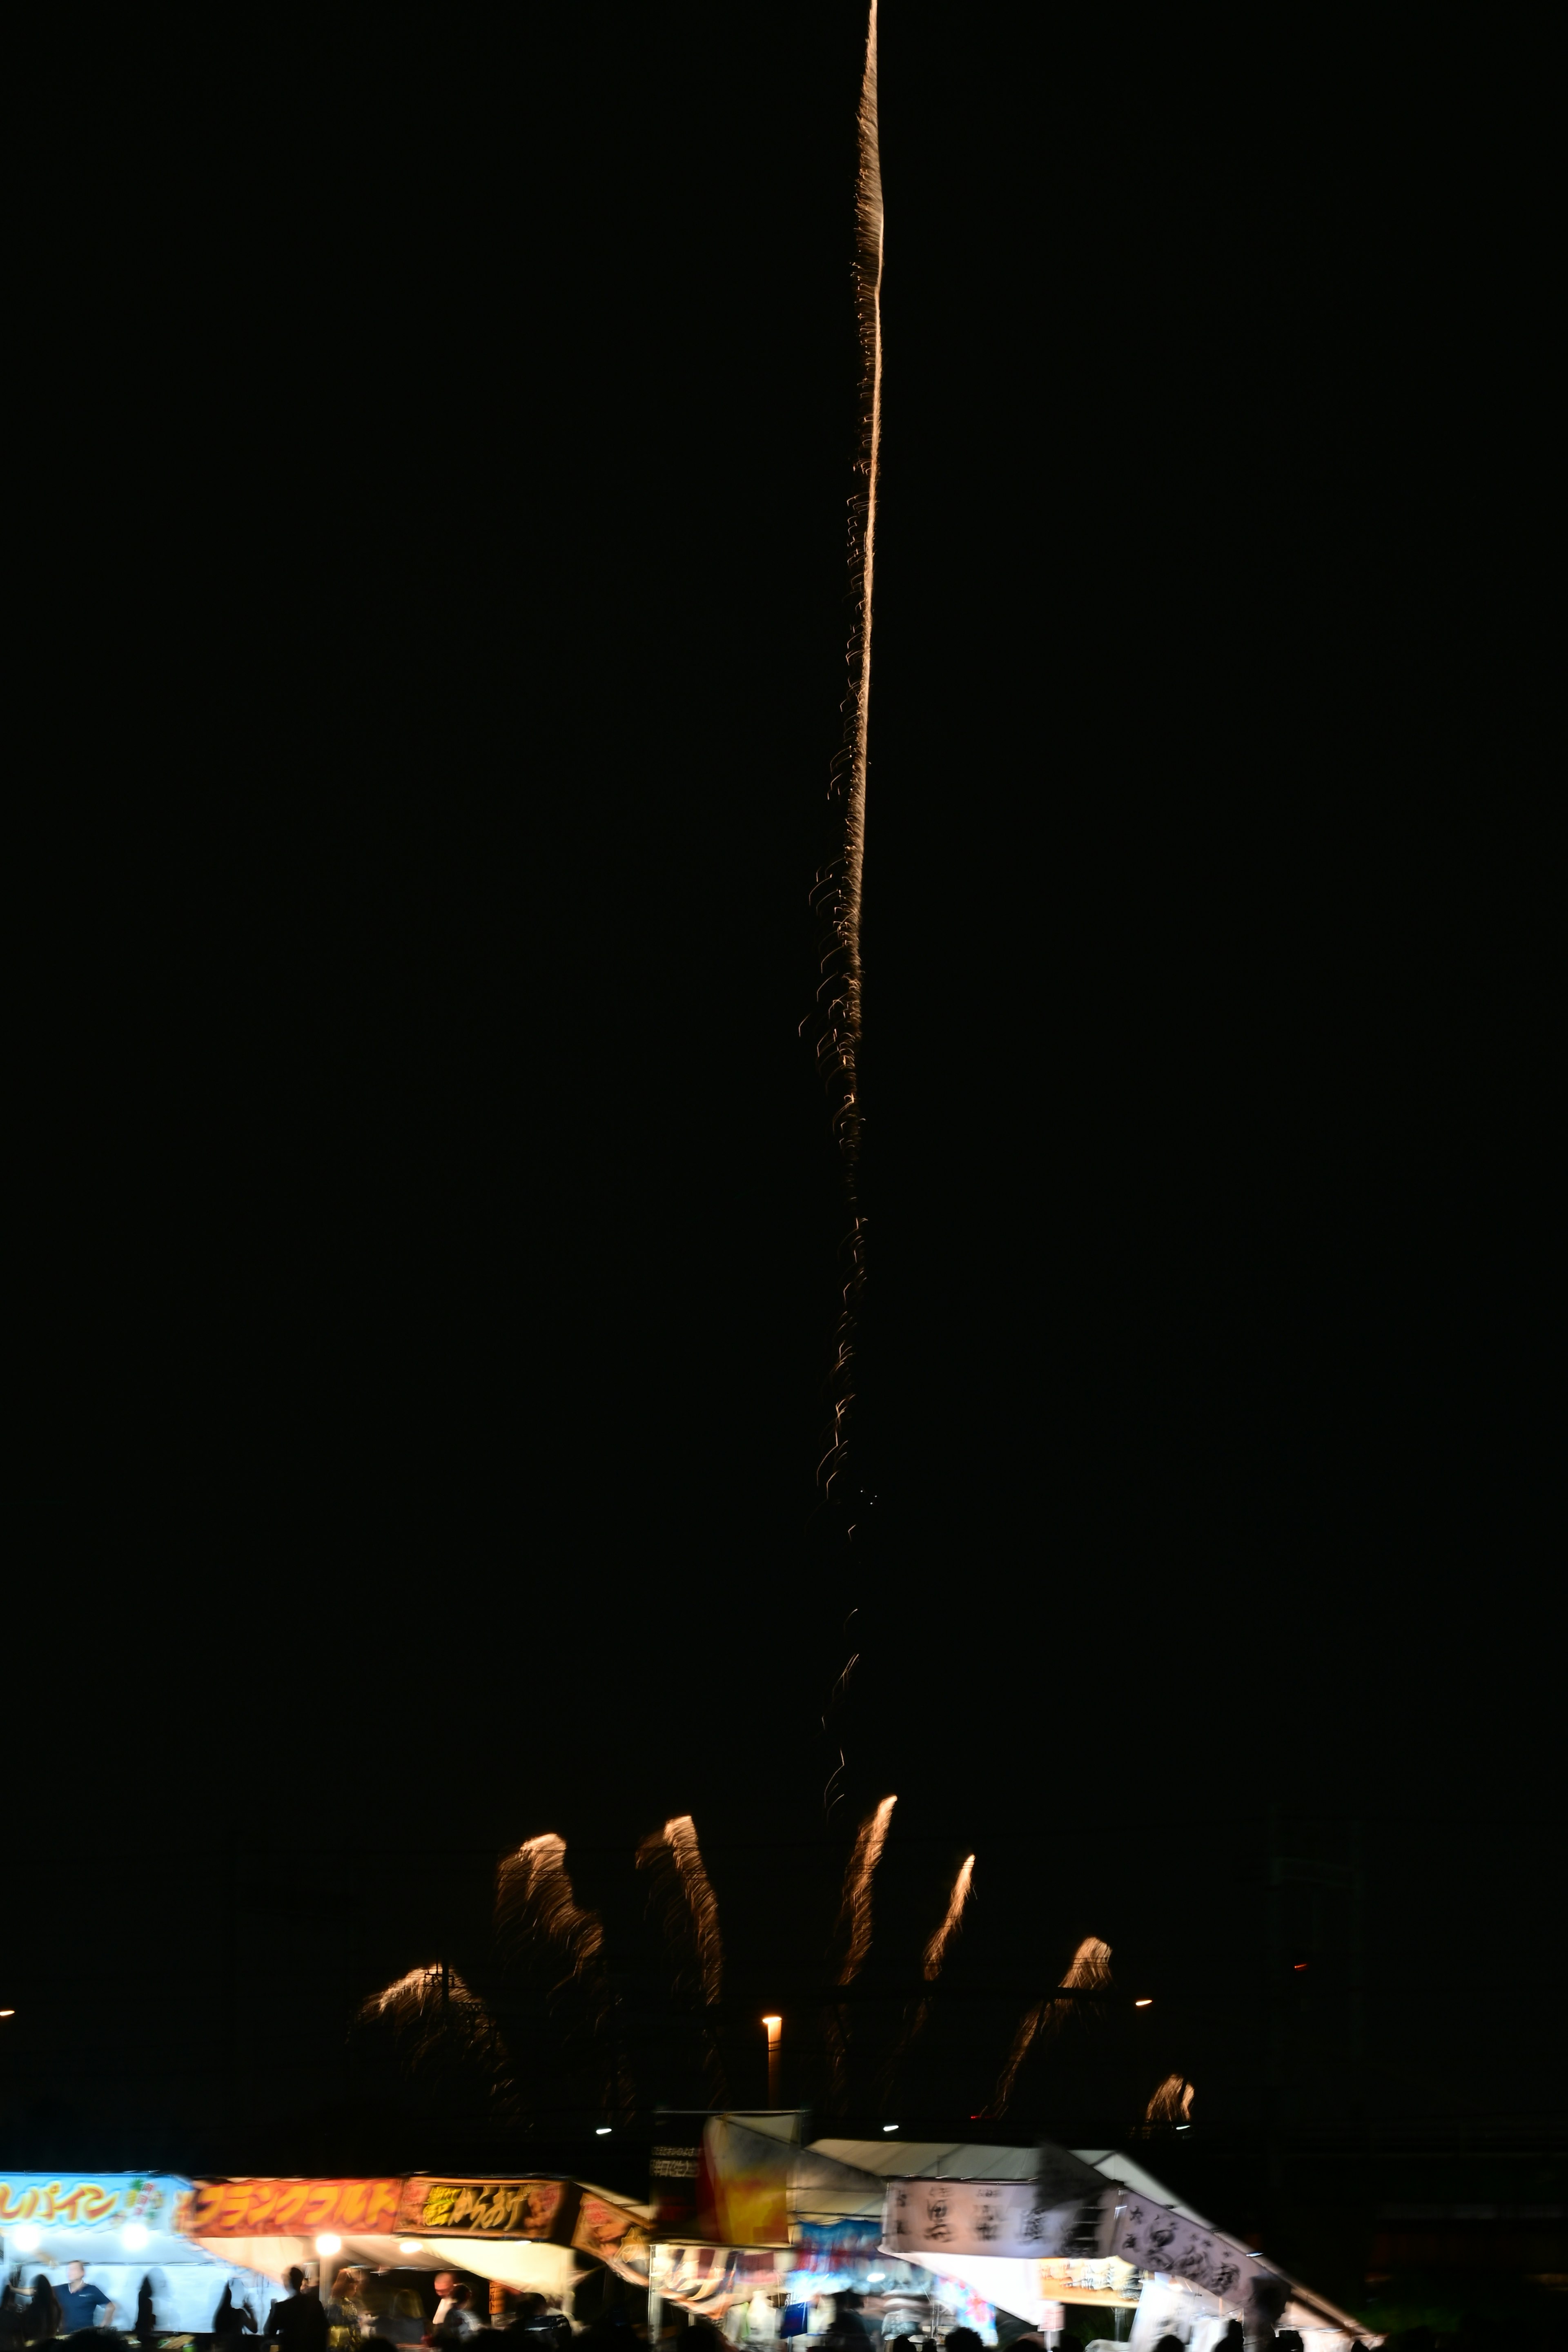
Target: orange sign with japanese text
<point x="510" y="2209"/>
<point x="291" y="2208"/>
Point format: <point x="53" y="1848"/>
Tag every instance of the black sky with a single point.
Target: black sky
<point x="439" y="624"/>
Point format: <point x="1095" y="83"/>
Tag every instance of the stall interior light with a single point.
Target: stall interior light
<point x="409" y="2246"/>
<point x="327" y="2243"/>
<point x="26" y="2239"/>
<point x="602" y="2131"/>
<point x="1144" y="2004"/>
<point x="133" y="2237"/>
<point x="890" y="2126"/>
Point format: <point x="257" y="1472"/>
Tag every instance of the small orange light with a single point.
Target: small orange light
<point x="774" y="2026"/>
<point x="1299" y="1966"/>
<point x="1144" y="2004"/>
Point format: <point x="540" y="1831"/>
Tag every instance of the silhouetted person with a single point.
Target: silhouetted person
<point x="310" y="2327"/>
<point x="227" y="2320"/>
<point x="44" y="2319"/>
<point x="283" y="2319"/>
<point x="11" y="2313"/>
<point x="146" y="2317"/>
<point x="849" y="2332"/>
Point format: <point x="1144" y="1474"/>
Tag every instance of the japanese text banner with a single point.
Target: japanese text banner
<point x="990" y="2217"/>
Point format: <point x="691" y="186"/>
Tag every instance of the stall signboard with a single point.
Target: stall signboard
<point x="1154" y="2239"/>
<point x="101" y="2201"/>
<point x="609" y="2232"/>
<point x="291" y="2208"/>
<point x="997" y="2217"/>
<point x="480" y="2209"/>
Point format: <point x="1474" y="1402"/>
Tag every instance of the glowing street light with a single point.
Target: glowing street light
<point x="776" y="2034"/>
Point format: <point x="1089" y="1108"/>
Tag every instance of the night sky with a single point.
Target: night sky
<point x="429" y="1266"/>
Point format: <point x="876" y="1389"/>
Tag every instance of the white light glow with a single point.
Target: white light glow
<point x="133" y="2237"/>
<point x="26" y="2239"/>
<point x="329" y="2244"/>
<point x="890" y="2126"/>
<point x="601" y="2131"/>
<point x="409" y="2246"/>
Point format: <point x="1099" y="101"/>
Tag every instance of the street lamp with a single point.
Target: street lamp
<point x="776" y="2031"/>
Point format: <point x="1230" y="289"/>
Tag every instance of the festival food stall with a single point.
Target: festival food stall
<point x="125" y="2228"/>
<point x="528" y="2233"/>
<point x="926" y="2236"/>
<point x="1094" y="2227"/>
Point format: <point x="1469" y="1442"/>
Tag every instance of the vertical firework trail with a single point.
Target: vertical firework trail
<point x="1091" y="1966"/>
<point x="836" y="896"/>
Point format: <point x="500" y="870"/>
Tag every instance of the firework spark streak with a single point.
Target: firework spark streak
<point x="533" y="1893"/>
<point x="854" y="1927"/>
<point x="931" y="1969"/>
<point x="690" y="1915"/>
<point x="534" y="1896"/>
<point x="855" y="1912"/>
<point x="930" y="1966"/>
<point x="433" y="2013"/>
<point x="1090" y="1966"/>
<point x="836" y="897"/>
<point x="675" y="1846"/>
<point x="1171" y="2101"/>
